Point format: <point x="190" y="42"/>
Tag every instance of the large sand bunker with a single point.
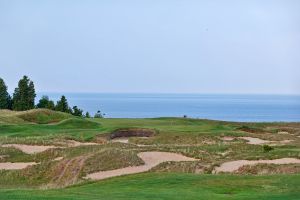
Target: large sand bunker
<point x="32" y="149"/>
<point x="258" y="141"/>
<point x="19" y="165"/>
<point x="235" y="165"/>
<point x="29" y="149"/>
<point x="151" y="159"/>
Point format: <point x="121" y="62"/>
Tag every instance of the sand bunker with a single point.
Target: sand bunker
<point x="19" y="165"/>
<point x="252" y="140"/>
<point x="151" y="159"/>
<point x="227" y="138"/>
<point x="121" y="140"/>
<point x="235" y="165"/>
<point x="29" y="149"/>
<point x="74" y="143"/>
<point x="258" y="141"/>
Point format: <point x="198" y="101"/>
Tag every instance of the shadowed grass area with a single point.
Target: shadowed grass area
<point x="168" y="186"/>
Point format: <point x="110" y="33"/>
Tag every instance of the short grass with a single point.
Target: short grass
<point x="171" y="186"/>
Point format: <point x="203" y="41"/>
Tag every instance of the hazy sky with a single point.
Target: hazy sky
<point x="152" y="45"/>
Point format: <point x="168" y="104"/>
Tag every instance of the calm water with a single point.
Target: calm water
<point x="221" y="107"/>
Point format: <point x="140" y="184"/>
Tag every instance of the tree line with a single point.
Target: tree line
<point x="24" y="95"/>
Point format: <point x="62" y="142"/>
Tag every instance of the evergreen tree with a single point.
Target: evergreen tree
<point x="4" y="96"/>
<point x="44" y="102"/>
<point x="62" y="105"/>
<point x="24" y="95"/>
<point x="51" y="105"/>
<point x="76" y="111"/>
<point x="87" y="115"/>
<point x="98" y="114"/>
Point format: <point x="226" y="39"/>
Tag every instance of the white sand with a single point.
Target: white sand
<point x="252" y="140"/>
<point x="235" y="165"/>
<point x="151" y="159"/>
<point x="19" y="165"/>
<point x="29" y="149"/>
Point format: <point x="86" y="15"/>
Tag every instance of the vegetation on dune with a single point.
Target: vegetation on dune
<point x="201" y="139"/>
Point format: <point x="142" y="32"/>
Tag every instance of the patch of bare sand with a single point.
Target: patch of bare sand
<point x="252" y="140"/>
<point x="74" y="143"/>
<point x="151" y="159"/>
<point x="58" y="158"/>
<point x="258" y="141"/>
<point x="18" y="165"/>
<point x="29" y="149"/>
<point x="235" y="165"/>
<point x="227" y="138"/>
<point x="121" y="140"/>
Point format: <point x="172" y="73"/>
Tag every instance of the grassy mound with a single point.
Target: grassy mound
<point x="38" y="116"/>
<point x="77" y="123"/>
<point x="42" y="116"/>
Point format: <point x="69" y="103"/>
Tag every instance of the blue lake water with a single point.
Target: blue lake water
<point x="219" y="107"/>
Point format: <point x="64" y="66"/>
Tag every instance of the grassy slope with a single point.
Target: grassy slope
<point x="173" y="186"/>
<point x="172" y="131"/>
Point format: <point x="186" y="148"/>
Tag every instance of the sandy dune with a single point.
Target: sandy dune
<point x="29" y="149"/>
<point x="151" y="159"/>
<point x="19" y="165"/>
<point x="235" y="165"/>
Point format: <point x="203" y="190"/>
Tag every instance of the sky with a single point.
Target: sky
<point x="152" y="46"/>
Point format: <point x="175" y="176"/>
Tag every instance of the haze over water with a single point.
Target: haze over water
<point x="256" y="108"/>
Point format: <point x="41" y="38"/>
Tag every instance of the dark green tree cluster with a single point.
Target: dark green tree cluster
<point x="5" y="99"/>
<point x="24" y="96"/>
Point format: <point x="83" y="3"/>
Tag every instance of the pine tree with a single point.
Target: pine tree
<point x="76" y="111"/>
<point x="87" y="115"/>
<point x="44" y="102"/>
<point x="24" y="95"/>
<point x="62" y="105"/>
<point x="4" y="96"/>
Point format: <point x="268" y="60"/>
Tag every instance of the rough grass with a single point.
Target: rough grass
<point x="200" y="139"/>
<point x="39" y="116"/>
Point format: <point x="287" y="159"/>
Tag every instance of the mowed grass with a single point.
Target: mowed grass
<point x="172" y="186"/>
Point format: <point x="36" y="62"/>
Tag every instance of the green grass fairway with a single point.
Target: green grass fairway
<point x="171" y="187"/>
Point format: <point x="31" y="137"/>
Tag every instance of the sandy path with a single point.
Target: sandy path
<point x="19" y="165"/>
<point x="151" y="159"/>
<point x="235" y="165"/>
<point x="29" y="149"/>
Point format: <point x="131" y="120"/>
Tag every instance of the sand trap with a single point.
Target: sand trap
<point x="151" y="159"/>
<point x="74" y="143"/>
<point x="19" y="165"/>
<point x="227" y="138"/>
<point x="235" y="165"/>
<point x="252" y="140"/>
<point x="29" y="149"/>
<point x="258" y="141"/>
<point x="58" y="158"/>
<point x="121" y="140"/>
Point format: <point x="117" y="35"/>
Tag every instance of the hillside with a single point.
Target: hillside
<point x="46" y="149"/>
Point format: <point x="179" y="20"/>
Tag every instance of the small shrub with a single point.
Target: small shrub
<point x="267" y="148"/>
